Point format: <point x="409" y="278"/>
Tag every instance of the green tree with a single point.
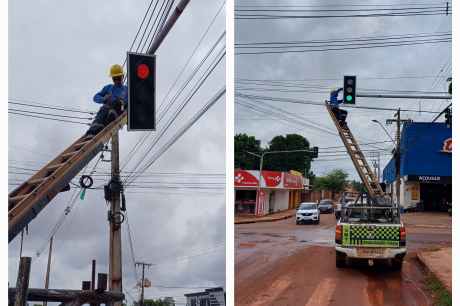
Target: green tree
<point x="243" y="144"/>
<point x="299" y="161"/>
<point x="358" y="186"/>
<point x="335" y="181"/>
<point x="158" y="302"/>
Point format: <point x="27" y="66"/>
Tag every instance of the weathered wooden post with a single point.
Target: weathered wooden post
<point x="22" y="284"/>
<point x="93" y="279"/>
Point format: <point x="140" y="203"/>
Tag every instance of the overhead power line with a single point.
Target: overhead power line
<point x="308" y="80"/>
<point x="181" y="131"/>
<point x="328" y="42"/>
<point x="48" y="114"/>
<point x="325" y="48"/>
<point x="307" y="102"/>
<point x="47" y="106"/>
<point x="161" y="132"/>
<point x="284" y="10"/>
<point x="372" y="13"/>
<point x="140" y="27"/>
<point x="162" y="111"/>
<point x="342" y="4"/>
<point x="290" y="118"/>
<point x="41" y="117"/>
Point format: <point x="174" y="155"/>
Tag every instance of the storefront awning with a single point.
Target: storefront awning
<point x="426" y="152"/>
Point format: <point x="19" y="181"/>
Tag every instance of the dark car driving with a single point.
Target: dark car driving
<point x="326" y="206"/>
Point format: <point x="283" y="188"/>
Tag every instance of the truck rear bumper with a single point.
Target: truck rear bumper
<point x="371" y="253"/>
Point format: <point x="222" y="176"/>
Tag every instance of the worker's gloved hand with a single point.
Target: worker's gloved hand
<point x="117" y="104"/>
<point x="122" y="104"/>
<point x="107" y="98"/>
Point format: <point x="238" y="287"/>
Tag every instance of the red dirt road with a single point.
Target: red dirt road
<point x="282" y="264"/>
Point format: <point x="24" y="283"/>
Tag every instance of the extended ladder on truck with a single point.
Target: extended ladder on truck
<point x="27" y="200"/>
<point x="370" y="181"/>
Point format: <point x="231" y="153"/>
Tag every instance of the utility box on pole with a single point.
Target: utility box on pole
<point x="141" y="92"/>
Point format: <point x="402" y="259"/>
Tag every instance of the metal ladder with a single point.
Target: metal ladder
<point x="28" y="199"/>
<point x="368" y="177"/>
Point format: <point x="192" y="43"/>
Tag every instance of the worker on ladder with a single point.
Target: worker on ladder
<point x="114" y="99"/>
<point x="340" y="114"/>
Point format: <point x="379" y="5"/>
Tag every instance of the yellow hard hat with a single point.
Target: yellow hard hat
<point x="116" y="70"/>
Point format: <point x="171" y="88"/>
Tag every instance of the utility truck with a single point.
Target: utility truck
<point x="368" y="231"/>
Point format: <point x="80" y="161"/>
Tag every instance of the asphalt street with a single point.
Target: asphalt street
<point x="281" y="263"/>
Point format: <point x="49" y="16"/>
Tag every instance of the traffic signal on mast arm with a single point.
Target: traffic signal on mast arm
<point x="349" y="89"/>
<point x="314" y="152"/>
<point x="448" y="116"/>
<point x="141" y="92"/>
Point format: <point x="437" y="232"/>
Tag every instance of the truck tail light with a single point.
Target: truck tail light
<point x="402" y="236"/>
<point x="338" y="234"/>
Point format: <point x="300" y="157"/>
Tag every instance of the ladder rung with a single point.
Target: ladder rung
<point x="38" y="180"/>
<point x="69" y="154"/>
<point x="80" y="144"/>
<point x="54" y="167"/>
<point x="18" y="198"/>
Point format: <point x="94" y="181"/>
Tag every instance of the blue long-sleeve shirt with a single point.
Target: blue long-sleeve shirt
<point x="333" y="99"/>
<point x="116" y="92"/>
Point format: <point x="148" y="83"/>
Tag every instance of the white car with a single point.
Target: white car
<point x="307" y="211"/>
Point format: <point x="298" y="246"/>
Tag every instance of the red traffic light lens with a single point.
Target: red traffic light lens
<point x="143" y="71"/>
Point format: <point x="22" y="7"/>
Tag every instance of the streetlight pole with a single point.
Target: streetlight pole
<point x="261" y="161"/>
<point x="384" y="129"/>
<point x="397" y="153"/>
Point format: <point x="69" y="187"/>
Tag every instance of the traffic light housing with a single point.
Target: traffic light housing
<point x="141" y="92"/>
<point x="349" y="89"/>
<point x="448" y="116"/>
<point x="314" y="152"/>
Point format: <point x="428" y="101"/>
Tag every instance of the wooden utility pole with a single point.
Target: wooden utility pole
<point x="48" y="268"/>
<point x="22" y="241"/>
<point x="143" y="264"/>
<point x="115" y="263"/>
<point x="398" y="157"/>
<point x="22" y="284"/>
<point x="93" y="278"/>
<point x="397" y="153"/>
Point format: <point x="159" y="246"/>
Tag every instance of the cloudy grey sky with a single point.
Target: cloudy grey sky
<point x="59" y="54"/>
<point x="378" y="68"/>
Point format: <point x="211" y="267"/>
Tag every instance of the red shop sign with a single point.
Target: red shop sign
<point x="245" y="178"/>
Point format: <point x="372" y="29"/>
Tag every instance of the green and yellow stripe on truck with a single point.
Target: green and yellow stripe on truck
<point x="370" y="235"/>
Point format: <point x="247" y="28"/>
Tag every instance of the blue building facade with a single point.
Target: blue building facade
<point x="426" y="166"/>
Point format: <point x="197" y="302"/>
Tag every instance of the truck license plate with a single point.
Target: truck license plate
<point x="370" y="252"/>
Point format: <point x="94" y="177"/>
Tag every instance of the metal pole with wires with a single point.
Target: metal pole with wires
<point x="397" y="153"/>
<point x="115" y="220"/>
<point x="143" y="264"/>
<point x="115" y="215"/>
<point x="48" y="268"/>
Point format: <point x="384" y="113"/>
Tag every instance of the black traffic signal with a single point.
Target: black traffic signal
<point x="314" y="152"/>
<point x="448" y="116"/>
<point x="141" y="92"/>
<point x="349" y="89"/>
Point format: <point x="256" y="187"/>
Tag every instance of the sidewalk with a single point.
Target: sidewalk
<point x="268" y="218"/>
<point x="427" y="220"/>
<point x="439" y="263"/>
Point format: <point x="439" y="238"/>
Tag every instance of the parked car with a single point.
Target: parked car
<point x="307" y="212"/>
<point x="326" y="206"/>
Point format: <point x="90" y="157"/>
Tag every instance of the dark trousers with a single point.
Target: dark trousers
<point x="104" y="116"/>
<point x="340" y="114"/>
